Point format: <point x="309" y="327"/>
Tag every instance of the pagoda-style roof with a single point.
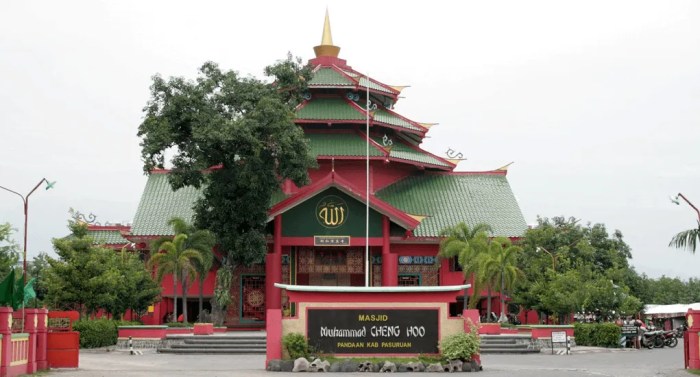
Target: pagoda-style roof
<point x="108" y="235"/>
<point x="448" y="199"/>
<point x="159" y="203"/>
<point x="443" y="199"/>
<point x="342" y="110"/>
<point x="401" y="151"/>
<point x="341" y="144"/>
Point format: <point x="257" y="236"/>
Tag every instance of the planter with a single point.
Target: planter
<point x="203" y="328"/>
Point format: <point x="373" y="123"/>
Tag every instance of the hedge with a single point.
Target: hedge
<point x="597" y="334"/>
<point x="99" y="332"/>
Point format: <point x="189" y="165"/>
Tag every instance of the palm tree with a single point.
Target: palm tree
<point x="687" y="239"/>
<point x="466" y="244"/>
<point x="177" y="260"/>
<point x="202" y="241"/>
<point x="499" y="269"/>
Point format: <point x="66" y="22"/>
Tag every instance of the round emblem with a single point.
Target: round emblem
<point x="332" y="211"/>
<point x="255" y="298"/>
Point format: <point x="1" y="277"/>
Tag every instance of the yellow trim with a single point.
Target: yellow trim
<point x="455" y="161"/>
<point x="399" y="88"/>
<point x="428" y="125"/>
<point x="505" y="167"/>
<point x="21" y="338"/>
<point x="419" y="218"/>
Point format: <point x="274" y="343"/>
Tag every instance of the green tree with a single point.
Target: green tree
<point x="175" y="259"/>
<point x="235" y="136"/>
<point x="687" y="239"/>
<point x="136" y="290"/>
<point x="84" y="277"/>
<point x="499" y="269"/>
<point x="465" y="244"/>
<point x="9" y="250"/>
<point x="591" y="267"/>
<point x="38" y="269"/>
<point x="197" y="239"/>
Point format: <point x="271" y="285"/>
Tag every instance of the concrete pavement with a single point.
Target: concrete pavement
<point x="584" y="361"/>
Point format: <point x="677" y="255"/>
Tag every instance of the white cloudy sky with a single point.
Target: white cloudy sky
<point x="597" y="102"/>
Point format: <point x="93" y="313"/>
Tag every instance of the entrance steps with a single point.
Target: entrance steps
<point x="507" y="344"/>
<point x="235" y="343"/>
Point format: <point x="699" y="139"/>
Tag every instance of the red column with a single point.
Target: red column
<point x="6" y="332"/>
<point x="273" y="269"/>
<point x="31" y="324"/>
<point x="390" y="262"/>
<point x="693" y="318"/>
<point x="41" y="339"/>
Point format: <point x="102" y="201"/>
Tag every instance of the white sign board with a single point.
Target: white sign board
<point x="558" y="336"/>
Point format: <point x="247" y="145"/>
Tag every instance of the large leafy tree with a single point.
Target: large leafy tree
<point x="466" y="243"/>
<point x="136" y="290"/>
<point x="173" y="257"/>
<point x="200" y="240"/>
<point x="38" y="269"/>
<point x="9" y="250"/>
<point x="234" y="136"/>
<point x="84" y="277"/>
<point x="592" y="269"/>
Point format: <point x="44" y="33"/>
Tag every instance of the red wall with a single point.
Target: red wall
<point x="193" y="288"/>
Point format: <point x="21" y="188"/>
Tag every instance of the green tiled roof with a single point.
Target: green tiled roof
<point x="364" y="82"/>
<point x="384" y="116"/>
<point x="329" y="108"/>
<point x="340" y="144"/>
<point x="107" y="237"/>
<point x="159" y="203"/>
<point x="449" y="199"/>
<point x="329" y="77"/>
<point x="404" y="152"/>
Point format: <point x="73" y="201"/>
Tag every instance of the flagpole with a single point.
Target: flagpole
<point x="367" y="187"/>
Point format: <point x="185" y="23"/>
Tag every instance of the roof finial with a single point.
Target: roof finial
<point x="326" y="48"/>
<point x="327" y="38"/>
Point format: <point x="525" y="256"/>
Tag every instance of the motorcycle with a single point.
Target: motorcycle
<point x="680" y="331"/>
<point x="670" y="338"/>
<point x="651" y="339"/>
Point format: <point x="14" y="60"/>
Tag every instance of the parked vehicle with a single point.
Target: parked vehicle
<point x="651" y="339"/>
<point x="680" y="331"/>
<point x="670" y="338"/>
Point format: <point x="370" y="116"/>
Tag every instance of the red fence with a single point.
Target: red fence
<point x="22" y="352"/>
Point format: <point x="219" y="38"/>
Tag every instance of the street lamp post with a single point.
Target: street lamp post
<point x="675" y="200"/>
<point x="554" y="257"/>
<point x="25" y="203"/>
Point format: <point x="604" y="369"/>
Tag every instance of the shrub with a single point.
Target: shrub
<point x="597" y="334"/>
<point x="179" y="324"/>
<point x="296" y="345"/>
<point x="98" y="332"/>
<point x="461" y="346"/>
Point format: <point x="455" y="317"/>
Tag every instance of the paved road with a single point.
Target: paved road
<point x="583" y="363"/>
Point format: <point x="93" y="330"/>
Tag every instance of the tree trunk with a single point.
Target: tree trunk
<point x="503" y="317"/>
<point x="184" y="300"/>
<point x="174" y="296"/>
<point x="201" y="297"/>
<point x="488" y="304"/>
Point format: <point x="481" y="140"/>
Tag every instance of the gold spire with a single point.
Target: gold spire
<point x="326" y="48"/>
<point x="327" y="38"/>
